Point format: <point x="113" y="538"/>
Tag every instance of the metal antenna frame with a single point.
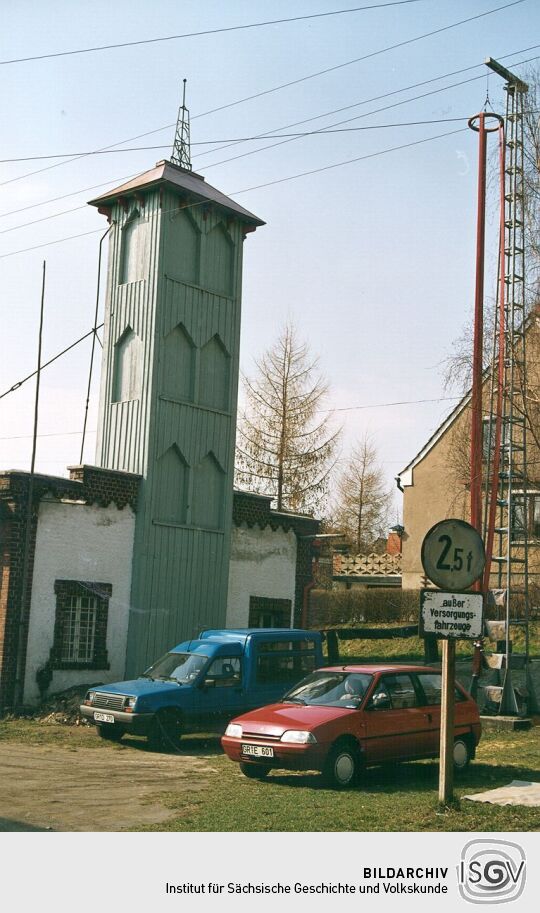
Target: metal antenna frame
<point x="181" y="152"/>
<point x="512" y="527"/>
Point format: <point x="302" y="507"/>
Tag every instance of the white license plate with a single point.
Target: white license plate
<point x="103" y="717"/>
<point x="257" y="751"/>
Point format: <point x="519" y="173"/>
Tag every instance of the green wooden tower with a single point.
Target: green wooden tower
<point x="169" y="393"/>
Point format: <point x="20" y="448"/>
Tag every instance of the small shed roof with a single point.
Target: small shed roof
<point x="194" y="184"/>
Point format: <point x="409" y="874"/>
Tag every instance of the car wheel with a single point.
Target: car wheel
<point x="255" y="771"/>
<point x="111" y="733"/>
<point x="342" y="766"/>
<point x="462" y="754"/>
<point x="165" y="731"/>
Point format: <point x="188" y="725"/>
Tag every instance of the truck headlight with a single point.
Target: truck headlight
<point x="234" y="731"/>
<point x="297" y="737"/>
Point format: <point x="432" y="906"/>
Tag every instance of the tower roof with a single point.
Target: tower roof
<point x="166" y="173"/>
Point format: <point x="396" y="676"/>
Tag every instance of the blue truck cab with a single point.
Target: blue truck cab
<point x="201" y="682"/>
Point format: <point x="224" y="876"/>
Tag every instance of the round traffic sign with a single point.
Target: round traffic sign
<point x="453" y="554"/>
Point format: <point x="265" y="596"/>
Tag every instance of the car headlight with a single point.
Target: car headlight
<point x="89" y="699"/>
<point x="297" y="737"/>
<point x="129" y="703"/>
<point x="234" y="731"/>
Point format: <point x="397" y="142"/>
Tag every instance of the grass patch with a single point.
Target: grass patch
<point x="393" y="798"/>
<point x="400" y="797"/>
<point x="35" y="732"/>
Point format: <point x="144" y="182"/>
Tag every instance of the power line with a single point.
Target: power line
<point x="358" y="117"/>
<point x="328" y="113"/>
<point x="348" y="63"/>
<point x="279" y="180"/>
<point x="360" y="158"/>
<point x="231" y="28"/>
<point x="282" y="86"/>
<point x="258" y="186"/>
<point x="51" y="360"/>
<point x="83" y="234"/>
<point x="243" y="139"/>
<point x="23" y="437"/>
<point x="404" y="402"/>
<point x="64" y="196"/>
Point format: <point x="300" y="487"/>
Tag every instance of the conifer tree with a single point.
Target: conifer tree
<point x="286" y="442"/>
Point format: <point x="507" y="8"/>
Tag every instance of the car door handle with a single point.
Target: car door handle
<point x="429" y="717"/>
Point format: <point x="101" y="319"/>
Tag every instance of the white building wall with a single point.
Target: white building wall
<point x="263" y="563"/>
<point x="79" y="542"/>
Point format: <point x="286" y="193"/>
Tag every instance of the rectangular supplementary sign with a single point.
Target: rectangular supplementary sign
<point x="455" y="615"/>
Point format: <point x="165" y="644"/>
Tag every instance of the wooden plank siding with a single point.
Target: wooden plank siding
<point x="180" y="433"/>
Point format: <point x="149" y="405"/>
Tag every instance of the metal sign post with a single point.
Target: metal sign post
<point x="453" y="558"/>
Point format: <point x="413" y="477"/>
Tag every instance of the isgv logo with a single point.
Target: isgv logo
<point x="491" y="871"/>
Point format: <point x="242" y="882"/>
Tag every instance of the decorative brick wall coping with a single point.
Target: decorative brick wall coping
<point x="256" y="510"/>
<point x="366" y="565"/>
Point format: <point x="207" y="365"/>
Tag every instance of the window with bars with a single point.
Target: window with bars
<point x="80" y="632"/>
<point x="79" y="629"/>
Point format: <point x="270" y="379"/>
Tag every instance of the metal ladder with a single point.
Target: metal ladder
<point x="511" y="541"/>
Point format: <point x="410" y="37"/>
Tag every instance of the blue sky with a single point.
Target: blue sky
<point x="373" y="260"/>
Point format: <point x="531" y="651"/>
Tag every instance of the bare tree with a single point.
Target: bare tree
<point x="363" y="501"/>
<point x="286" y="445"/>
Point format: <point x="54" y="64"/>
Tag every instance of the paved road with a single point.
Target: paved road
<point x="90" y="789"/>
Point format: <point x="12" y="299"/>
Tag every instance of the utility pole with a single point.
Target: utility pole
<point x="26" y="590"/>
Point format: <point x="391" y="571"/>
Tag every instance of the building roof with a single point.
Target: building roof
<point x="405" y="475"/>
<point x="194" y="184"/>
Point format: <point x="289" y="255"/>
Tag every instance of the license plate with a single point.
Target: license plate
<point x="257" y="751"/>
<point x="103" y="717"/>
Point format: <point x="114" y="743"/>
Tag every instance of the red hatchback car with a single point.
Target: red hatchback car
<point x="342" y="718"/>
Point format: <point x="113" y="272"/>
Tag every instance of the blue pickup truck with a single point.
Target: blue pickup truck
<point x="209" y="680"/>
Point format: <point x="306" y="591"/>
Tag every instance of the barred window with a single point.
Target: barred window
<point x="80" y="631"/>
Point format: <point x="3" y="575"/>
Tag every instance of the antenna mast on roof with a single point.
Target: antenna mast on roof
<point x="181" y="153"/>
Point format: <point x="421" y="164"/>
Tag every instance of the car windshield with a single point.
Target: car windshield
<point x="180" y="667"/>
<point x="331" y="689"/>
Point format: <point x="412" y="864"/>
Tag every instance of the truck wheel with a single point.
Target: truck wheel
<point x="165" y="732"/>
<point x="462" y="754"/>
<point x="342" y="766"/>
<point x="111" y="733"/>
<point x="255" y="771"/>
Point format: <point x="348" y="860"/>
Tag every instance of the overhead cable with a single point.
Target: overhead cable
<point x="284" y="85"/>
<point x="219" y="31"/>
<point x="291" y="177"/>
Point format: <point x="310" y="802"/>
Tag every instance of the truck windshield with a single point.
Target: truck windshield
<point x="332" y="689"/>
<point x="180" y="667"/>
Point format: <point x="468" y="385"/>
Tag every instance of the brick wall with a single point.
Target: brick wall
<point x="88" y="484"/>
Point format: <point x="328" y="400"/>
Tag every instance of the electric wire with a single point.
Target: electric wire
<point x="218" y="31"/>
<point x="258" y="186"/>
<point x="282" y="86"/>
<point x="263" y="135"/>
<point x="404" y="402"/>
<point x="245" y="139"/>
<point x="19" y="383"/>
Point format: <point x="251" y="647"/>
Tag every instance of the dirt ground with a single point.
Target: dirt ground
<point x="54" y="788"/>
